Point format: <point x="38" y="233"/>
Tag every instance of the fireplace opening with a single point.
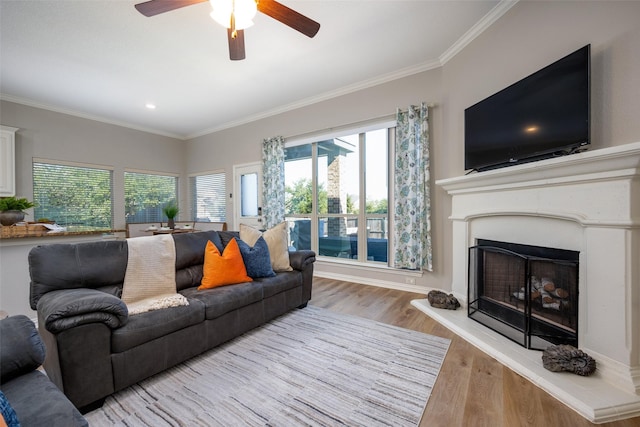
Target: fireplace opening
<point x="527" y="293"/>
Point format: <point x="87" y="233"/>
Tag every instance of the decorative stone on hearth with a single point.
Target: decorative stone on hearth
<point x="564" y="357"/>
<point x="439" y="299"/>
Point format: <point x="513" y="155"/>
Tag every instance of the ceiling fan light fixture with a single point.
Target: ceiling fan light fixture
<point x="243" y="11"/>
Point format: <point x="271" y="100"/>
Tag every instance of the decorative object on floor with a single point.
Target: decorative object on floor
<point x="439" y="299"/>
<point x="563" y="357"/>
<point x="12" y="209"/>
<point x="307" y="367"/>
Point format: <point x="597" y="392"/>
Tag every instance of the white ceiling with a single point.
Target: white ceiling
<point x="104" y="60"/>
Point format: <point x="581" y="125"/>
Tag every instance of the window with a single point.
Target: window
<point x="73" y="194"/>
<point x="208" y="197"/>
<point x="249" y="191"/>
<point x="336" y="199"/>
<point x="145" y="194"/>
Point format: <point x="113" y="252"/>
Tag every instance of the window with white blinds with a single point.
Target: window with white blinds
<point x="73" y="194"/>
<point x="208" y="197"/>
<point x="145" y="194"/>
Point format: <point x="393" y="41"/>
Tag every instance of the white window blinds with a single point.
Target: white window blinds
<point x="73" y="195"/>
<point x="208" y="197"/>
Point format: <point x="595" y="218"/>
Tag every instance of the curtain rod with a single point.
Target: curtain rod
<point x="429" y="105"/>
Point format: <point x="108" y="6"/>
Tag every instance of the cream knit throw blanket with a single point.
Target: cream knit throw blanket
<point x="150" y="278"/>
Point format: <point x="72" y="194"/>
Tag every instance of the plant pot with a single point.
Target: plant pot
<point x="171" y="224"/>
<point x="8" y="218"/>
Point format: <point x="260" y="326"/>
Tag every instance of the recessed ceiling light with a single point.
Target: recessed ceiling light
<point x="150" y="106"/>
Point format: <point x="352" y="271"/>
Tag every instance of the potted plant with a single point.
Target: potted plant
<point x="170" y="210"/>
<point x="12" y="209"/>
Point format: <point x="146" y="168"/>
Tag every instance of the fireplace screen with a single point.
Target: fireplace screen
<point x="527" y="293"/>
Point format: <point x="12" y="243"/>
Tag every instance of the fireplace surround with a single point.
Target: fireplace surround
<point x="588" y="203"/>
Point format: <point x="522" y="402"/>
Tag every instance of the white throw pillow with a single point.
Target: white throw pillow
<point x="277" y="240"/>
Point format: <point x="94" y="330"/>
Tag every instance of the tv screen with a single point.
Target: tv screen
<point x="543" y="115"/>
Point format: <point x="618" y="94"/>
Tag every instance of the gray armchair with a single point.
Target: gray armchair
<point x="34" y="398"/>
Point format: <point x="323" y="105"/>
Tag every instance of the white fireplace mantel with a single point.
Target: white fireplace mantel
<point x="587" y="202"/>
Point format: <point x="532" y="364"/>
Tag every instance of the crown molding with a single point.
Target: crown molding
<point x="57" y="109"/>
<point x="492" y="16"/>
<point x="345" y="90"/>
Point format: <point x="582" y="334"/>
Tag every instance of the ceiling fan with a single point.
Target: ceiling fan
<point x="236" y="15"/>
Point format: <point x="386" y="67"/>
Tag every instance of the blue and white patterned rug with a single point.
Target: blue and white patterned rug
<point x="310" y="367"/>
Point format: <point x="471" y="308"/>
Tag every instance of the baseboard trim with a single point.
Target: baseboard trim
<point x="373" y="282"/>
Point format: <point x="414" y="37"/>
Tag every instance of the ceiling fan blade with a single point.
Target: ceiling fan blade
<point x="236" y="45"/>
<point x="156" y="7"/>
<point x="289" y="17"/>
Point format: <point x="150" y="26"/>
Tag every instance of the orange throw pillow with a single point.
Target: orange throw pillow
<point x="225" y="269"/>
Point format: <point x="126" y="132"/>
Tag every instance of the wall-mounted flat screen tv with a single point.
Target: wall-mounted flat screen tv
<point x="543" y="115"/>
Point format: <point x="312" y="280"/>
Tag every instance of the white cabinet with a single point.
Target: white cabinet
<point x="7" y="161"/>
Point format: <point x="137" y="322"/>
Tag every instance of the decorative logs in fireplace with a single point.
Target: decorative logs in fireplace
<point x="545" y="292"/>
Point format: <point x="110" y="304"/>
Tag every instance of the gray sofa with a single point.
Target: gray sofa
<point x="32" y="397"/>
<point x="95" y="348"/>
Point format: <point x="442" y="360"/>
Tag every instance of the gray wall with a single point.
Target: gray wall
<point x="529" y="36"/>
<point x="50" y="135"/>
<point x="534" y="34"/>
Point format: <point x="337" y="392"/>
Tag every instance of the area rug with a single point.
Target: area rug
<point x="310" y="367"/>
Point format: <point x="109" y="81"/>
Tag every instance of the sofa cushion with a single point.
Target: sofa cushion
<point x="190" y="247"/>
<point x="223" y="299"/>
<point x="277" y="239"/>
<point x="280" y="283"/>
<point x="148" y="326"/>
<point x="76" y="265"/>
<point x="256" y="258"/>
<point x="223" y="269"/>
<point x="190" y="256"/>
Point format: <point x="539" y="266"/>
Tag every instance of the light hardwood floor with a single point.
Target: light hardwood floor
<point x="473" y="389"/>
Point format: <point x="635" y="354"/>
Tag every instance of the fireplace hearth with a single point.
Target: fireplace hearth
<point x="527" y="293"/>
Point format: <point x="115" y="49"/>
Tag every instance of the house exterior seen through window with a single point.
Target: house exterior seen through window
<point x="337" y="193"/>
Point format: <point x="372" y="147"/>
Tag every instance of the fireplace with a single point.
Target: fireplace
<point x="587" y="203"/>
<point x="527" y="293"/>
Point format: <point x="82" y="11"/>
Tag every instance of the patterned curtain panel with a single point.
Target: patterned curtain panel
<point x="273" y="181"/>
<point x="412" y="215"/>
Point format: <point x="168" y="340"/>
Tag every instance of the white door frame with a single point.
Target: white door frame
<point x="238" y="171"/>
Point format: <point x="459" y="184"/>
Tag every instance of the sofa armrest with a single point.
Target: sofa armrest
<point x="21" y="349"/>
<point x="65" y="309"/>
<point x="300" y="259"/>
